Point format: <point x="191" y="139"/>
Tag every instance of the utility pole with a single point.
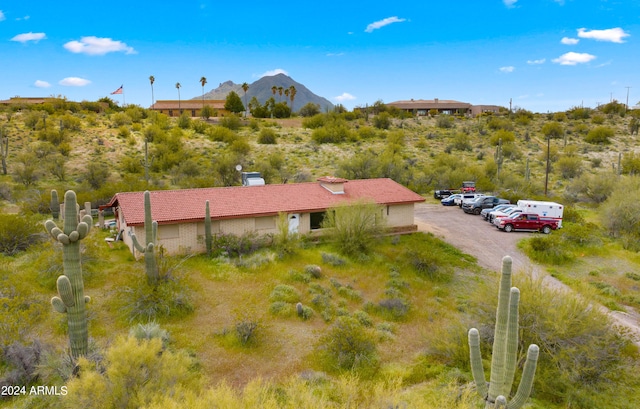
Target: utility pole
<point x="627" y="104"/>
<point x="546" y="178"/>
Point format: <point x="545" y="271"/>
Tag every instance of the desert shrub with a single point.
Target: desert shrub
<point x="495" y="123"/>
<point x="367" y="132"/>
<point x="231" y="122"/>
<point x="313" y="270"/>
<point x="334" y="132"/>
<point x="569" y="166"/>
<point x="630" y="163"/>
<point x="549" y="249"/>
<point x="316" y="121"/>
<point x="502" y="134"/>
<point x="255" y="260"/>
<point x="284" y="293"/>
<point x="240" y="146"/>
<point x="22" y="362"/>
<point x="281" y="308"/>
<point x="354" y="226"/>
<point x="444" y="121"/>
<point x="348" y="345"/>
<point x="145" y="303"/>
<point x="120" y="119"/>
<point x="394" y="309"/>
<point x="581" y="234"/>
<point x="333" y="259"/>
<point x="221" y="134"/>
<point x="184" y="121"/>
<point x="552" y="130"/>
<point x="382" y="120"/>
<point x="597" y="119"/>
<point x="231" y="245"/>
<point x="245" y="331"/>
<point x="599" y="135"/>
<point x="200" y="127"/>
<point x="18" y="233"/>
<point x="148" y="331"/>
<point x="620" y="213"/>
<point x="309" y="110"/>
<point x="461" y="142"/>
<point x="267" y="136"/>
<point x="135" y="373"/>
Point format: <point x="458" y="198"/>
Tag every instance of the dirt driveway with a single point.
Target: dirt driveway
<point x="472" y="235"/>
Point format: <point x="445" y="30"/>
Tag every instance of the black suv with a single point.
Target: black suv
<point x="483" y="202"/>
<point x="441" y="194"/>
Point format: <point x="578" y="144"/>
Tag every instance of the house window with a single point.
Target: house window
<point x="316" y="220"/>
<point x="193" y="112"/>
<point x="264" y="223"/>
<point x="170" y="112"/>
<point x="169" y="231"/>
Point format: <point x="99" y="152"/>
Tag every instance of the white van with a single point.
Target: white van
<point x="543" y="209"/>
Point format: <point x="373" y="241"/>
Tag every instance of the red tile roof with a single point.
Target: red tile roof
<point x="188" y="205"/>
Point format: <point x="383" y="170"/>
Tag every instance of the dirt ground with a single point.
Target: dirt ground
<point x="472" y="235"/>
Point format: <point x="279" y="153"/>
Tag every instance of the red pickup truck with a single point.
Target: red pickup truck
<point x="528" y="221"/>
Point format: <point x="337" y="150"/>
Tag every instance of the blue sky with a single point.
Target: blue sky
<point x="543" y="55"/>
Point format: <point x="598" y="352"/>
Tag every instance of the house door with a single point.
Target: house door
<point x="294" y="222"/>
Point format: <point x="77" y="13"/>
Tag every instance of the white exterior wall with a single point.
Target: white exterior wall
<point x="399" y="215"/>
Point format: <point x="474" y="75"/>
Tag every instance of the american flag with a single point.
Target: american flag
<point x="118" y="91"/>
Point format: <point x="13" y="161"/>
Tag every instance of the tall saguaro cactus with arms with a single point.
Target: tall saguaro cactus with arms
<point x="505" y="351"/>
<point x="71" y="299"/>
<point x="151" y="235"/>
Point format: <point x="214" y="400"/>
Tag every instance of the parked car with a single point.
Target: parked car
<point x="486" y="212"/>
<point x="468" y="187"/>
<point x="528" y="221"/>
<point x="483" y="202"/>
<point x="467" y="196"/>
<point x="507" y="213"/>
<point x="442" y="194"/>
<point x="450" y="201"/>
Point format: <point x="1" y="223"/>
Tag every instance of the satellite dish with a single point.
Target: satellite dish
<point x="238" y="168"/>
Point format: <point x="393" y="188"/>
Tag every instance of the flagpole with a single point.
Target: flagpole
<point x="123" y="104"/>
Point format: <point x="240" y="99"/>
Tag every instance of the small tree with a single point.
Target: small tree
<point x="310" y="109"/>
<point x="552" y="130"/>
<point x="233" y="103"/>
<point x="354" y="226"/>
<point x="600" y="135"/>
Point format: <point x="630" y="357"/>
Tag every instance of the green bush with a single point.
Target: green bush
<point x="506" y="136"/>
<point x="354" y="226"/>
<point x="350" y="346"/>
<point x="232" y="122"/>
<point x="284" y="293"/>
<point x="549" y="249"/>
<point x="18" y="233"/>
<point x="315" y="121"/>
<point x="332" y="133"/>
<point x="600" y="135"/>
<point x="267" y="136"/>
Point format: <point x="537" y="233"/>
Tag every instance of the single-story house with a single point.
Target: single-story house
<point x="422" y="107"/>
<point x="191" y="106"/>
<point x="236" y="210"/>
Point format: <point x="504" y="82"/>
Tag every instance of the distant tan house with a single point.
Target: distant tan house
<point x="28" y="100"/>
<point x="240" y="209"/>
<point x="422" y="107"/>
<point x="190" y="106"/>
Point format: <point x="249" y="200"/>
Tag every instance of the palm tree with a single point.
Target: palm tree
<point x="286" y="94"/>
<point x="245" y="87"/>
<point x="203" y="81"/>
<point x="178" y="88"/>
<point x="273" y="90"/>
<point x="280" y="93"/>
<point x="152" y="79"/>
<point x="292" y="95"/>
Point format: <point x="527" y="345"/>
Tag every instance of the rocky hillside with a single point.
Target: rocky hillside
<point x="261" y="89"/>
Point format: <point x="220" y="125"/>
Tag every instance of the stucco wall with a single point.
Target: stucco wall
<point x="189" y="237"/>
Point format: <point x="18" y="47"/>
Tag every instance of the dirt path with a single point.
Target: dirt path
<point x="474" y="236"/>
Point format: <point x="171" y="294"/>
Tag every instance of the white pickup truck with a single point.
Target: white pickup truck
<point x="467" y="197"/>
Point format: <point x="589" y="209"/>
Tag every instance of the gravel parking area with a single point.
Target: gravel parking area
<point x="474" y="236"/>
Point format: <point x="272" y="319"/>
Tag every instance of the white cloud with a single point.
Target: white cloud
<point x="41" y="84"/>
<point x="92" y="45"/>
<point x="74" y="82"/>
<point x="614" y="35"/>
<point x="572" y="58"/>
<point x="508" y="69"/>
<point x="510" y="3"/>
<point x="537" y="62"/>
<point x="344" y="97"/>
<point x="569" y="41"/>
<point x="271" y="73"/>
<point x="384" y="22"/>
<point x="2" y="17"/>
<point x="23" y="38"/>
<point x="335" y="54"/>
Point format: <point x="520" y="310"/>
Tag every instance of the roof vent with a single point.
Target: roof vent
<point x="333" y="184"/>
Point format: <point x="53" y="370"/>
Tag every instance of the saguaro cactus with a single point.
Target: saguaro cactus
<point x="151" y="235"/>
<point x="505" y="351"/>
<point x="208" y="238"/>
<point x="71" y="299"/>
<point x="55" y="205"/>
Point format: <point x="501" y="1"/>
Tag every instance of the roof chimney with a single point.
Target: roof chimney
<point x="333" y="184"/>
<point x="435" y="100"/>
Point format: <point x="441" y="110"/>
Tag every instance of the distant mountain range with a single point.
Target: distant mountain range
<point x="261" y="89"/>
